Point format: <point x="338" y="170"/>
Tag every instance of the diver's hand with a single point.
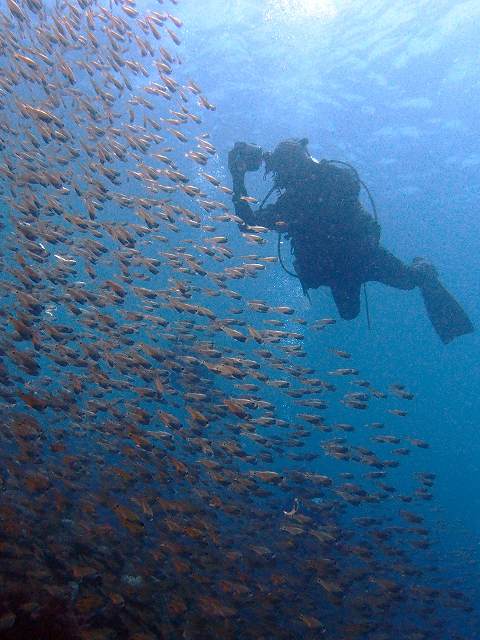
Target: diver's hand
<point x="236" y="163"/>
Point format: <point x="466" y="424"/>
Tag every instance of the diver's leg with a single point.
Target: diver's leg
<point x="347" y="299"/>
<point x="384" y="267"/>
<point x="447" y="317"/>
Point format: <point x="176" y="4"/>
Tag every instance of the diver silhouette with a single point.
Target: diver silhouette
<point x="335" y="242"/>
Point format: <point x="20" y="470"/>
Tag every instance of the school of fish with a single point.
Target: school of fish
<point x="173" y="464"/>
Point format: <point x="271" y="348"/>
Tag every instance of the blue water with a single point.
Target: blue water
<point x="393" y="89"/>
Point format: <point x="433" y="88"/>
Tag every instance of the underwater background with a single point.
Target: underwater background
<point x="392" y="88"/>
<point x="127" y="530"/>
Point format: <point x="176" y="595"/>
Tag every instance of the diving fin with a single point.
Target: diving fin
<point x="447" y="317"/>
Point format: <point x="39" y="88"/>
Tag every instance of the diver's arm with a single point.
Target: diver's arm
<point x="238" y="167"/>
<point x="242" y="208"/>
<point x="242" y="158"/>
<point x="268" y="217"/>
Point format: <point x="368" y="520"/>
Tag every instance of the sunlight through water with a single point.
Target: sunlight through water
<point x="297" y="9"/>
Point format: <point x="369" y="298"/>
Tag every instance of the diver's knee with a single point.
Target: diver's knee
<point x="349" y="313"/>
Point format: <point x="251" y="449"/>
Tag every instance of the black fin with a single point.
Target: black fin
<point x="447" y="317"/>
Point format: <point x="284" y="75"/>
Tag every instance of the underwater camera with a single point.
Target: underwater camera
<point x="245" y="156"/>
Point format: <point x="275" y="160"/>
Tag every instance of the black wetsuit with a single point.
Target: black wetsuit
<point x="334" y="240"/>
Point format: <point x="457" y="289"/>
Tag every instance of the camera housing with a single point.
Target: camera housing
<point x="246" y="156"/>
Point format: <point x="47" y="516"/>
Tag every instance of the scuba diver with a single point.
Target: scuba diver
<point x="335" y="242"/>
